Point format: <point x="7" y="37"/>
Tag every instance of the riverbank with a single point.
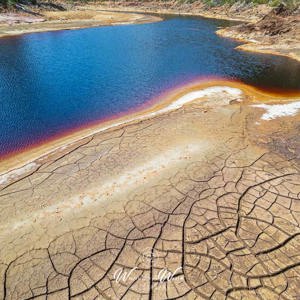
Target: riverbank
<point x="237" y="12"/>
<point x="265" y="29"/>
<point x="15" y="24"/>
<point x="160" y="193"/>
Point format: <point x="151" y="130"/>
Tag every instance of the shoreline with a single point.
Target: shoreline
<point x="99" y="20"/>
<point x="174" y="13"/>
<point x="256" y="46"/>
<point x="204" y="12"/>
<point x="164" y="103"/>
<point x="249" y="44"/>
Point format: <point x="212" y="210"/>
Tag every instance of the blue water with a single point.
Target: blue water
<point x="56" y="81"/>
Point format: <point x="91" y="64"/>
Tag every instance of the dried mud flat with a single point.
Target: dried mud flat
<point x="217" y="204"/>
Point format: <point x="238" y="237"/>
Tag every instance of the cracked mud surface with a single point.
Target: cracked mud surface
<point x="215" y="203"/>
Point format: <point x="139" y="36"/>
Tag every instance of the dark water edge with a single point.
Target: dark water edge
<point x="54" y="82"/>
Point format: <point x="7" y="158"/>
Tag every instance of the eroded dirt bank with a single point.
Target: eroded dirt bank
<point x="278" y="33"/>
<point x="214" y="202"/>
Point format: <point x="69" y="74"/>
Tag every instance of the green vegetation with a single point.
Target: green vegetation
<point x="6" y="3"/>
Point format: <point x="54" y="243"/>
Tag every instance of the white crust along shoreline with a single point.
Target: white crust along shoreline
<point x="278" y="110"/>
<point x="234" y="93"/>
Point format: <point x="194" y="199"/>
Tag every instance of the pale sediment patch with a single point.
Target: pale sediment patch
<point x="113" y="187"/>
<point x="207" y="92"/>
<point x="14" y="174"/>
<point x="279" y="110"/>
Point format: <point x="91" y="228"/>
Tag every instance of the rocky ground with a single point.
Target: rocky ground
<point x="177" y="205"/>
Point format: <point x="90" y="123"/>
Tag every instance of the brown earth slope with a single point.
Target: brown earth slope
<point x="278" y="32"/>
